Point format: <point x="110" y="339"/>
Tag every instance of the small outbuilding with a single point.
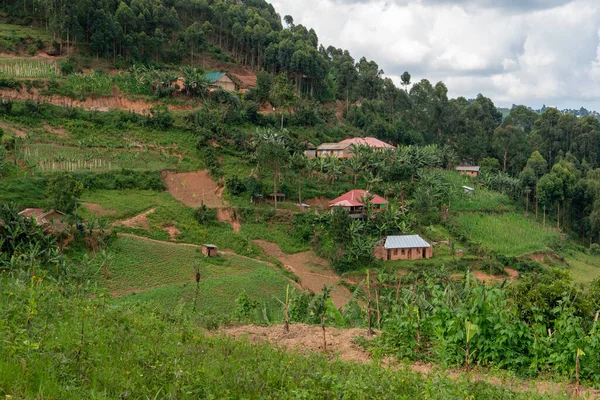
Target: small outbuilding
<point x="403" y="247"/>
<point x="209" y="250"/>
<point x="472" y="171"/>
<point x="279" y="196"/>
<point x="468" y="190"/>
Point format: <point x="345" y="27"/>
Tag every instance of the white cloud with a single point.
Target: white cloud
<point x="521" y="51"/>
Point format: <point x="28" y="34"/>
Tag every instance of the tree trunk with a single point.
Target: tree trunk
<point x="558" y="215"/>
<point x="505" y="157"/>
<point x="275" y="187"/>
<point x="324" y="338"/>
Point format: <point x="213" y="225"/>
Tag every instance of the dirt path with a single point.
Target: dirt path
<point x="97" y="209"/>
<point x="341" y="342"/>
<point x="139" y="221"/>
<point x="313" y="271"/>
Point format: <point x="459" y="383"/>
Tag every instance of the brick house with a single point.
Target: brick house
<point x="404" y="247"/>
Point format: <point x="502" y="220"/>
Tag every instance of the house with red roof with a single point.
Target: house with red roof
<point x="355" y="202"/>
<point x="343" y="149"/>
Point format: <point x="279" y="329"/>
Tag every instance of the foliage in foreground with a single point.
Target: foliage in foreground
<point x="58" y="346"/>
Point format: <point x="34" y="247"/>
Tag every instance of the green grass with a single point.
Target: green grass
<point x="25" y="191"/>
<point x="483" y="200"/>
<point x="165" y="273"/>
<point x="509" y="234"/>
<point x="84" y="347"/>
<point x="275" y="233"/>
<point x="126" y="203"/>
<point x="584" y="267"/>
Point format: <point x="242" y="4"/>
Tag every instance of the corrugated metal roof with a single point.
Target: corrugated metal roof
<point x="332" y="146"/>
<point x="355" y="198"/>
<point x="368" y="141"/>
<point x="405" y="242"/>
<point x="214" y="76"/>
<point x="467" y="168"/>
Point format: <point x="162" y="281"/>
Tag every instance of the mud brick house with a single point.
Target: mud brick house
<point x="404" y="247"/>
<point x="473" y="172"/>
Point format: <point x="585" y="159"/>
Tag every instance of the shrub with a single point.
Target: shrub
<point x="67" y="68"/>
<point x="205" y="215"/>
<point x="235" y="186"/>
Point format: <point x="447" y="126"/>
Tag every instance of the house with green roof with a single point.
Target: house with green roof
<point x="222" y="80"/>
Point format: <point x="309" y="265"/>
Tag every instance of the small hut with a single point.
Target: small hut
<point x="280" y="196"/>
<point x="209" y="250"/>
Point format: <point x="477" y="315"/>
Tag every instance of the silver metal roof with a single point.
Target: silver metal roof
<point x="405" y="242"/>
<point x="467" y="168"/>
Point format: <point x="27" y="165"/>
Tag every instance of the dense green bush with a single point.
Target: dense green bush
<point x="205" y="215"/>
<point x="124" y="179"/>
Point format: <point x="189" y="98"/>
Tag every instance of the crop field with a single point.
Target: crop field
<point x="50" y="158"/>
<point x="166" y="273"/>
<point x="28" y="68"/>
<point x="509" y="234"/>
<point x="482" y="200"/>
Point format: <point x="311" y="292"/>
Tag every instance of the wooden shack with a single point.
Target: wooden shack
<point x="404" y="247"/>
<point x="209" y="250"/>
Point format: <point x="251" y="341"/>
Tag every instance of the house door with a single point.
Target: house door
<point x="424" y="253"/>
<point x="389" y="255"/>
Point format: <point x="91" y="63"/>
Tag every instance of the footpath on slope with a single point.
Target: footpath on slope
<point x="313" y="271"/>
<point x="342" y="344"/>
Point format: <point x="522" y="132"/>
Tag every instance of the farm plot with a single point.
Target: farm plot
<point x="28" y="68"/>
<point x="51" y="158"/>
<point x="508" y="234"/>
<point x="145" y="270"/>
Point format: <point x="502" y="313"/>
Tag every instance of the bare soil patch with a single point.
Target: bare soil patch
<point x="193" y="188"/>
<point x="341" y="342"/>
<point x="229" y="216"/>
<point x="306" y="338"/>
<point x="60" y="131"/>
<point x="139" y="221"/>
<point x="17" y="132"/>
<point x="115" y="102"/>
<point x="172" y="231"/>
<point x="313" y="271"/>
<point x="97" y="209"/>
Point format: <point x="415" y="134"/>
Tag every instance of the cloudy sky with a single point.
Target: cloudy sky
<point x="530" y="52"/>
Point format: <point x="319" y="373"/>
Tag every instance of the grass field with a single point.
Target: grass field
<point x="584" y="267"/>
<point x="509" y="234"/>
<point x="165" y="273"/>
<point x="483" y="200"/>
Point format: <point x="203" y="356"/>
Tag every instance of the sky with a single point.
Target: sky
<point x="531" y="52"/>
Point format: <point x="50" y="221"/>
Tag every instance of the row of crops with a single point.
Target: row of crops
<point x="28" y="68"/>
<point x="56" y="158"/>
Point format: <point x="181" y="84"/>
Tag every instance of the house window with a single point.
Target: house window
<point x="395" y="252"/>
<point x="403" y="252"/>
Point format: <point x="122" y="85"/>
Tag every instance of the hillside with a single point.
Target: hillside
<point x="132" y="161"/>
